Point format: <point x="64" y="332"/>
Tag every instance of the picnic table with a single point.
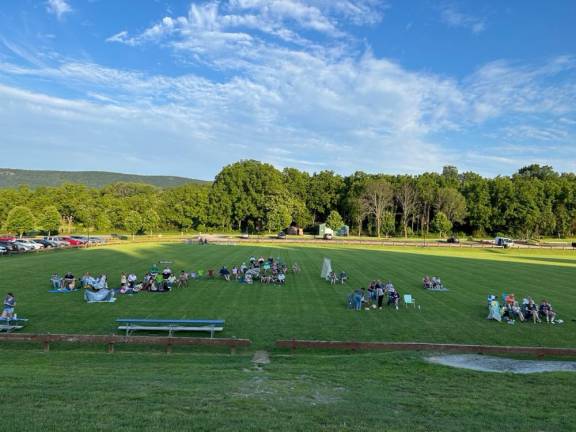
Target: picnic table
<point x="171" y="325"/>
<point x="11" y="324"/>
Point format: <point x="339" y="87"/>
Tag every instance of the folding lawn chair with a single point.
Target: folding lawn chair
<point x="408" y="299"/>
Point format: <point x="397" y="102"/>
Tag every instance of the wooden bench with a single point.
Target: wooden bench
<point x="171" y="325"/>
<point x="10" y="324"/>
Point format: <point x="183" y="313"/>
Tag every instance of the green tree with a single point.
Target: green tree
<point x="451" y="202"/>
<point x="242" y="193"/>
<point x="324" y="193"/>
<point x="441" y="224"/>
<point x="377" y="198"/>
<point x="334" y="220"/>
<point x="49" y="220"/>
<point x="20" y="219"/>
<point x="278" y="214"/>
<point x="102" y="222"/>
<point x="407" y="198"/>
<point x="150" y="221"/>
<point x="133" y="222"/>
<point x="388" y="223"/>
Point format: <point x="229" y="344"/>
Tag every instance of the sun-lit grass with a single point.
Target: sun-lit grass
<point x="307" y="307"/>
<point x="141" y="389"/>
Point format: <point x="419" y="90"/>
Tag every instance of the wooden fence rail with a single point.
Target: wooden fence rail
<point x="418" y="346"/>
<point x="111" y="340"/>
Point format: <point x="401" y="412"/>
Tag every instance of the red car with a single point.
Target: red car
<point x="71" y="241"/>
<point x="7" y="239"/>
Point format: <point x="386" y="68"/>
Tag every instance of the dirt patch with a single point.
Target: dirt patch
<point x="484" y="363"/>
<point x="261" y="358"/>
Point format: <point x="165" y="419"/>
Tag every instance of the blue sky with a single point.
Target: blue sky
<point x="184" y="87"/>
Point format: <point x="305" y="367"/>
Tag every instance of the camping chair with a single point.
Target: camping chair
<point x="200" y="274"/>
<point x="408" y="299"/>
<point x="210" y="274"/>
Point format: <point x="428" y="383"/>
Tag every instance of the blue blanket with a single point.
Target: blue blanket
<point x="104" y="295"/>
<point x="62" y="291"/>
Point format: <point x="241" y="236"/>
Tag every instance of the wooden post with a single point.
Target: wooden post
<point x="110" y="348"/>
<point x="168" y="348"/>
<point x="46" y="345"/>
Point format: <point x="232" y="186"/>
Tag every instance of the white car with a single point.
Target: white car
<point x="28" y="244"/>
<point x="3" y="250"/>
<point x="57" y="241"/>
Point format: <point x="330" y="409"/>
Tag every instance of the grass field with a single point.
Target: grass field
<point x="82" y="388"/>
<point x="307" y="307"/>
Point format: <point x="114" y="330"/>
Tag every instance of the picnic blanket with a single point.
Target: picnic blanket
<point x="437" y="289"/>
<point x="104" y="295"/>
<point x="62" y="291"/>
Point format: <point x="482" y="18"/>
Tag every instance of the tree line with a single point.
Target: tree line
<point x="251" y="196"/>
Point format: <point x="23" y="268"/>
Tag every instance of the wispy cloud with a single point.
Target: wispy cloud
<point x="58" y="7"/>
<point x="285" y="93"/>
<point x="452" y="16"/>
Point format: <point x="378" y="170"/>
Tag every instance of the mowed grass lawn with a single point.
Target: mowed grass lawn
<point x="74" y="391"/>
<point x="142" y="389"/>
<point x="308" y="307"/>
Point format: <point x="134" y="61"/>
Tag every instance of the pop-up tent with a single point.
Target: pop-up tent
<point x="326" y="268"/>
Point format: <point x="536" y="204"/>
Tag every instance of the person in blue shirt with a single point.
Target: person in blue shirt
<point x="9" y="304"/>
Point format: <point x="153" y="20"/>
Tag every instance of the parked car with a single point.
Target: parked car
<point x="57" y="241"/>
<point x="3" y="250"/>
<point x="452" y="240"/>
<point x="13" y="246"/>
<point x="244" y="236"/>
<point x="10" y="246"/>
<point x="72" y="241"/>
<point x="29" y="244"/>
<point x="46" y="243"/>
<point x="7" y="239"/>
<point x="328" y="236"/>
<point x="281" y="235"/>
<point x="504" y="242"/>
<point x="82" y="239"/>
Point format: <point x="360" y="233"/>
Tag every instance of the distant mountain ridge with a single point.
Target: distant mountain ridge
<point x="10" y="178"/>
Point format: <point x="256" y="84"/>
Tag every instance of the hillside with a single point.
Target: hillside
<point x="16" y="177"/>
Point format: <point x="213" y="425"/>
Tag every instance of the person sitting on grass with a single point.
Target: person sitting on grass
<point x="123" y="282"/>
<point x="166" y="273"/>
<point x="494" y="312"/>
<point x="533" y="311"/>
<point x="517" y="312"/>
<point x="69" y="281"/>
<point x="547" y="311"/>
<point x="182" y="279"/>
<point x="437" y="283"/>
<point x="56" y="281"/>
<point x="343" y="277"/>
<point x="427" y="282"/>
<point x="132" y="280"/>
<point x="393" y="298"/>
<point x="9" y="304"/>
<point x="248" y="278"/>
<point x="332" y="278"/>
<point x="281" y="278"/>
<point x="225" y="273"/>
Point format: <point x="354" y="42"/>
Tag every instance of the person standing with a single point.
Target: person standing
<point x="380" y="295"/>
<point x="9" y="304"/>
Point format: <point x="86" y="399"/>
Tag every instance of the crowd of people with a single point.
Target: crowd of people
<point x="267" y="271"/>
<point x="432" y="283"/>
<point x="511" y="310"/>
<point x="374" y="297"/>
<point x="334" y="278"/>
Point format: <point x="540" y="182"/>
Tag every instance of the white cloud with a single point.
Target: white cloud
<point x="58" y="7"/>
<point x="451" y="16"/>
<point x="287" y="98"/>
